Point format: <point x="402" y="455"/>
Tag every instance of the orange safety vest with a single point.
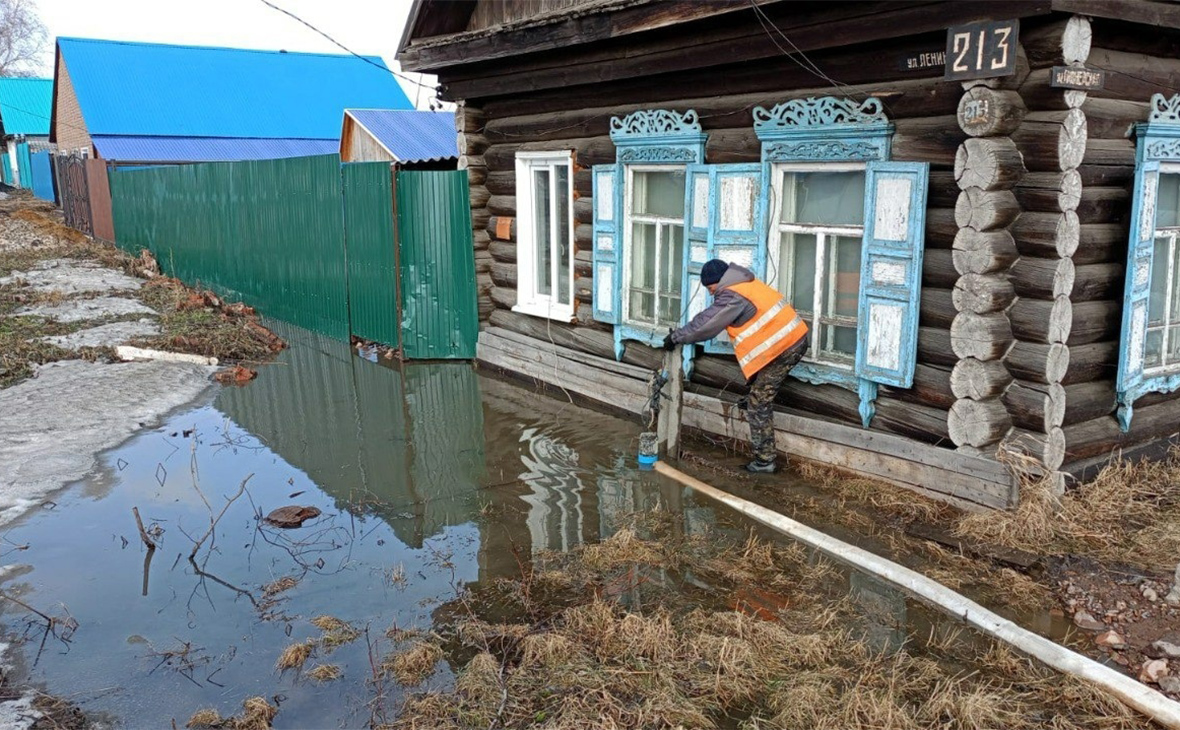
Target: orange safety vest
<point x="772" y="330"/>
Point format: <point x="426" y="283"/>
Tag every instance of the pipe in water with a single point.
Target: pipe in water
<point x="1127" y="690"/>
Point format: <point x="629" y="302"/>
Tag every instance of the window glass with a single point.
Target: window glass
<point x="643" y="271"/>
<point x="839" y="322"/>
<point x="562" y="244"/>
<point x="1168" y="202"/>
<point x="658" y="194"/>
<point x="672" y="259"/>
<point x="541" y="232"/>
<point x="799" y="282"/>
<point x="1158" y="301"/>
<point x="825" y="198"/>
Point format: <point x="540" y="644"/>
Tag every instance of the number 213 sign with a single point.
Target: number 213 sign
<point x="981" y="50"/>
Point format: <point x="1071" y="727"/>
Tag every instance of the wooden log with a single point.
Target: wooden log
<point x="1047" y="235"/>
<point x="936" y="308"/>
<point x="1096" y="321"/>
<point x="1096" y="282"/>
<point x="584" y="339"/>
<point x="483" y="261"/>
<point x="983" y="253"/>
<point x="504" y="274"/>
<point x="480" y="218"/>
<point x="1135" y="75"/>
<point x="477" y="175"/>
<point x="985" y="112"/>
<point x="934" y="347"/>
<point x="1039" y="95"/>
<point x="1087" y="401"/>
<point x="982" y="293"/>
<point x="467" y="162"/>
<point x="584" y="289"/>
<point x="977" y="422"/>
<point x="938" y="269"/>
<point x="912" y="420"/>
<point x="979" y="379"/>
<point x="1046" y="322"/>
<point x="1048" y="449"/>
<point x="504" y="205"/>
<point x="942" y="193"/>
<point x="1036" y="406"/>
<point x="468" y="118"/>
<point x="478" y="196"/>
<point x="991" y="163"/>
<point x="480" y="239"/>
<point x="982" y="336"/>
<point x="940" y="227"/>
<point x="1094" y="175"/>
<point x="1043" y="278"/>
<point x="471" y="143"/>
<point x="1110" y="152"/>
<point x="503" y="297"/>
<point x="1053" y="147"/>
<point x="1105" y="118"/>
<point x="985" y="211"/>
<point x="1101" y="243"/>
<point x="1049" y="192"/>
<point x="1057" y="43"/>
<point x="502" y="228"/>
<point x="503" y="251"/>
<point x="501" y="182"/>
<point x="1102" y="436"/>
<point x="1090" y="362"/>
<point x="931" y="387"/>
<point x="1038" y="362"/>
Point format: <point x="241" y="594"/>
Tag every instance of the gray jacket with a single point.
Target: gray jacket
<point x="728" y="309"/>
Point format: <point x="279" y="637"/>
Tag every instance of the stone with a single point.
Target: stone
<point x="1110" y="639"/>
<point x="1173" y="597"/>
<point x="1083" y="620"/>
<point x="1150" y="594"/>
<point x="1152" y="670"/>
<point x="1163" y="649"/>
<point x="291" y="516"/>
<point x="1170" y="684"/>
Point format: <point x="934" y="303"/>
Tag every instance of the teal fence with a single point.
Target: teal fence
<point x="42" y="173"/>
<point x="311" y="242"/>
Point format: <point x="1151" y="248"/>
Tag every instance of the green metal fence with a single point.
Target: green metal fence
<point x="372" y="266"/>
<point x="311" y="242"/>
<point x="268" y="232"/>
<point x="440" y="318"/>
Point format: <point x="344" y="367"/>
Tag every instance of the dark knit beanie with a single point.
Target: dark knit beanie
<point x="712" y="271"/>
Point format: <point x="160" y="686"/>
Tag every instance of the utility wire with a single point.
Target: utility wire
<point x="381" y="66"/>
<point x="806" y="64"/>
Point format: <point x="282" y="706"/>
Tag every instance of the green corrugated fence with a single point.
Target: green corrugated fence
<point x="311" y="242"/>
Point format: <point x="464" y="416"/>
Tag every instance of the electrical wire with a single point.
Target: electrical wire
<point x="765" y="21"/>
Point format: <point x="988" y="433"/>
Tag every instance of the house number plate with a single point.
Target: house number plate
<point x="981" y="50"/>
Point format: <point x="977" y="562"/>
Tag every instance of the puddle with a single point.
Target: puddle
<point x="430" y="478"/>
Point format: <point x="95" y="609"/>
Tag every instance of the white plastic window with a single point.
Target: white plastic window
<point x="545" y="234"/>
<point x="815" y="252"/>
<point x="654" y="231"/>
<point x="1162" y="353"/>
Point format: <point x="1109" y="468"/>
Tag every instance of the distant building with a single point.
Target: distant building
<point x="141" y="103"/>
<point x="419" y="139"/>
<point x="25" y="106"/>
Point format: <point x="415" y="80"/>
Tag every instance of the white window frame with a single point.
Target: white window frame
<point x="1171" y="285"/>
<point x="822" y="234"/>
<point x="661" y="222"/>
<point x="528" y="299"/>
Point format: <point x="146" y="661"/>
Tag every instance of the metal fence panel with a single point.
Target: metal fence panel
<point x="268" y="232"/>
<point x="102" y="224"/>
<point x="6" y="168"/>
<point x="439" y="315"/>
<point x="42" y="172"/>
<point x="369" y="241"/>
<point x="24" y="165"/>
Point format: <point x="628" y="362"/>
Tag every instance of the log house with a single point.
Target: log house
<point x="979" y="302"/>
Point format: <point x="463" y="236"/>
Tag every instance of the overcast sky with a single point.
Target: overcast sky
<point x="368" y="27"/>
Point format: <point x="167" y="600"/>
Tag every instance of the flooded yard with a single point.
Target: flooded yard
<point x="452" y="502"/>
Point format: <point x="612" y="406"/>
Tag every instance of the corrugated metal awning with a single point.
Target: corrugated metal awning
<point x="411" y="136"/>
<point x="208" y="149"/>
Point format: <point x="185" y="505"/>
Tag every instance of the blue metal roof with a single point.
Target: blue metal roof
<point x="208" y="149"/>
<point x="25" y="105"/>
<point x="411" y="136"/>
<point x="148" y="89"/>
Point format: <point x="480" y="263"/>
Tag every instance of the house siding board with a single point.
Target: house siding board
<point x="362" y="147"/>
<point x="69" y="127"/>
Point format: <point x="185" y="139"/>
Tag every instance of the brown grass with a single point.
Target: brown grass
<point x="214" y="331"/>
<point x="1130" y="513"/>
<point x="281" y="585"/>
<point x="325" y="672"/>
<point x="335" y="632"/>
<point x="294" y="656"/>
<point x="206" y="718"/>
<point x="412" y="666"/>
<point x="257" y="714"/>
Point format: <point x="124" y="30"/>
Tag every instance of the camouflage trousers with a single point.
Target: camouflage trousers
<point x="760" y="402"/>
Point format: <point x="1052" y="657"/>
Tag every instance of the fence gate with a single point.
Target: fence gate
<point x="75" y="194"/>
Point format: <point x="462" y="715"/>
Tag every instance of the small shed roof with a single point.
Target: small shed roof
<point x="411" y="136"/>
<point x="25" y="106"/>
<point x="156" y="90"/>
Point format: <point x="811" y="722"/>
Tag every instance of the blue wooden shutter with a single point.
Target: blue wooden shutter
<point x="608" y="213"/>
<point x="891" y="271"/>
<point x="737" y="224"/>
<point x="1135" y="307"/>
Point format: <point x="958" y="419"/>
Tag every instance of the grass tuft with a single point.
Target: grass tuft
<point x="294" y="656"/>
<point x="412" y="666"/>
<point x="325" y="672"/>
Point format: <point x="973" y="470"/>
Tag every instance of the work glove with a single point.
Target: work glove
<point x="668" y="343"/>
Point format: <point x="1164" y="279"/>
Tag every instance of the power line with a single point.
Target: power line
<point x="810" y="66"/>
<point x="381" y="66"/>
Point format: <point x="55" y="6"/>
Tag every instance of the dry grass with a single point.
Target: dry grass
<point x="206" y="718"/>
<point x="281" y="585"/>
<point x="295" y="655"/>
<point x="412" y="666"/>
<point x="257" y="714"/>
<point x="805" y="664"/>
<point x="335" y="632"/>
<point x="888" y="499"/>
<point x="1130" y="514"/>
<point x="325" y="672"/>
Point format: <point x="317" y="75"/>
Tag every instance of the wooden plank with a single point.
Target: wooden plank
<point x="672" y="408"/>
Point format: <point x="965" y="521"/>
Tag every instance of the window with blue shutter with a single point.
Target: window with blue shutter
<point x="607" y="243"/>
<point x="1149" y="355"/>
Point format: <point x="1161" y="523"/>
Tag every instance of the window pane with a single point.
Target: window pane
<point x="543" y="279"/>
<point x="829" y="198"/>
<point x="1153" y="357"/>
<point x="843" y="342"/>
<point x="1173" y="355"/>
<point x="643" y="272"/>
<point x="561" y="190"/>
<point x="1168" y="202"/>
<point x="672" y="267"/>
<point x="797" y="259"/>
<point x="844" y="264"/>
<point x="658" y="194"/>
<point x="1157" y="304"/>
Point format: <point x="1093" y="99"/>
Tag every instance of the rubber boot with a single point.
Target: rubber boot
<point x="758" y="466"/>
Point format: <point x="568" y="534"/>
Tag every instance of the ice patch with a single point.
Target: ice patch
<point x="79" y="310"/>
<point x="68" y="276"/>
<point x="107" y="335"/>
